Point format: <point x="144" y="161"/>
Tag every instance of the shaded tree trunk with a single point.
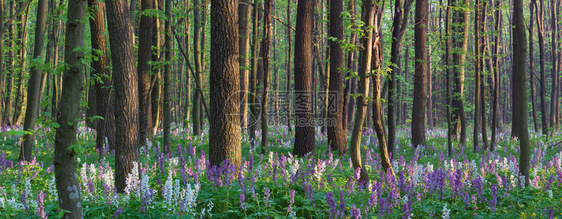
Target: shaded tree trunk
<point x="554" y="79"/>
<point x="520" y="89"/>
<point x="168" y="77"/>
<point x="224" y="119"/>
<point x="265" y="46"/>
<point x="305" y="138"/>
<point x="126" y="90"/>
<point x="34" y="87"/>
<point x="531" y="64"/>
<point x="21" y="95"/>
<point x="420" y="75"/>
<point x="460" y="38"/>
<point x="69" y="112"/>
<point x="288" y="69"/>
<point x="337" y="136"/>
<point x="496" y="74"/>
<point x="144" y="69"/>
<point x="542" y="91"/>
<point x="197" y="98"/>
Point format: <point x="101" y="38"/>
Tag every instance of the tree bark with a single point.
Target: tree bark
<point x="520" y="89"/>
<point x="554" y="78"/>
<point x="197" y="98"/>
<point x="144" y="69"/>
<point x="244" y="60"/>
<point x="168" y="77"/>
<point x="337" y="136"/>
<point x="532" y="63"/>
<point x="265" y="46"/>
<point x="21" y="95"/>
<point x="460" y="38"/>
<point x="305" y="138"/>
<point x="496" y="73"/>
<point x="224" y="119"/>
<point x="69" y="112"/>
<point x="34" y="87"/>
<point x="542" y="91"/>
<point x="420" y="75"/>
<point x="288" y="97"/>
<point x="126" y="90"/>
<point x="368" y="18"/>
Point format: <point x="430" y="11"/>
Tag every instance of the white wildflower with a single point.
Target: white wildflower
<point x="549" y="193"/>
<point x="446" y="212"/>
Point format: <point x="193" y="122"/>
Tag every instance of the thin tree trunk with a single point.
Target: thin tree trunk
<point x="21" y="95"/>
<point x="420" y="75"/>
<point x="496" y="73"/>
<point x="368" y="18"/>
<point x="197" y="98"/>
<point x="542" y="91"/>
<point x="244" y="61"/>
<point x="288" y="68"/>
<point x="531" y="65"/>
<point x="69" y="113"/>
<point x="460" y="38"/>
<point x="265" y="46"/>
<point x="168" y="77"/>
<point x="554" y="78"/>
<point x="448" y="70"/>
<point x="34" y="88"/>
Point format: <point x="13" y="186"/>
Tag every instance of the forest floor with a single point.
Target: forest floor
<point x="428" y="184"/>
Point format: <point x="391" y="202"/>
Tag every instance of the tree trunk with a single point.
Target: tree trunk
<point x="305" y="138"/>
<point x="520" y="89"/>
<point x="265" y="45"/>
<point x="197" y="98"/>
<point x="348" y="78"/>
<point x="189" y="73"/>
<point x="21" y="95"/>
<point x="224" y="119"/>
<point x="448" y="70"/>
<point x="69" y="113"/>
<point x="337" y="136"/>
<point x="254" y="117"/>
<point x="542" y="91"/>
<point x="34" y="87"/>
<point x="167" y="77"/>
<point x="420" y="75"/>
<point x="7" y="119"/>
<point x="531" y="64"/>
<point x="554" y="78"/>
<point x="460" y="38"/>
<point x="144" y="69"/>
<point x="244" y="60"/>
<point x="288" y="97"/>
<point x="368" y="18"/>
<point x="496" y="73"/>
<point x="126" y="90"/>
<point x="377" y="107"/>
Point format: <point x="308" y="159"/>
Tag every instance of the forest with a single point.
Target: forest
<point x="280" y="109"/>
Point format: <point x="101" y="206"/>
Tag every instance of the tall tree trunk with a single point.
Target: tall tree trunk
<point x="448" y="70"/>
<point x="368" y="18"/>
<point x="483" y="51"/>
<point x="420" y="75"/>
<point x="189" y="73"/>
<point x="34" y="87"/>
<point x="144" y="69"/>
<point x="254" y="118"/>
<point x="21" y="94"/>
<point x="348" y="79"/>
<point x="156" y="93"/>
<point x="197" y="98"/>
<point x="244" y="60"/>
<point x="4" y="74"/>
<point x="531" y="65"/>
<point x="520" y="89"/>
<point x="337" y="136"/>
<point x="265" y="45"/>
<point x="460" y="38"/>
<point x="168" y="77"/>
<point x="126" y="90"/>
<point x="7" y="119"/>
<point x="399" y="25"/>
<point x="305" y="138"/>
<point x="288" y="68"/>
<point x="224" y="84"/>
<point x="542" y="91"/>
<point x="554" y="78"/>
<point x="377" y="107"/>
<point x="496" y="73"/>
<point x="69" y="112"/>
<point x="104" y="128"/>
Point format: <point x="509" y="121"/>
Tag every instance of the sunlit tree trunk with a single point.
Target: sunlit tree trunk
<point x="265" y="46"/>
<point x="420" y="75"/>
